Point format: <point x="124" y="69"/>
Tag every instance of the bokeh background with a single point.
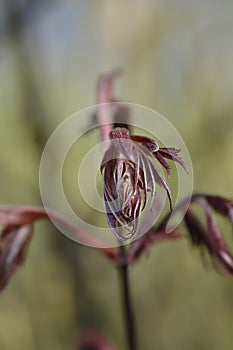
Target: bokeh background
<point x="177" y="58"/>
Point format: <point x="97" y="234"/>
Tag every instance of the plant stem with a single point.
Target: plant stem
<point x="127" y="305"/>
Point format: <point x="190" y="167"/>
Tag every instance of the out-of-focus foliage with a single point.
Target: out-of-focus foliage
<point x="177" y="58"/>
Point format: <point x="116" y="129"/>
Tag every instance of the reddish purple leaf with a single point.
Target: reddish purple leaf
<point x="221" y="205"/>
<point x="147" y="142"/>
<point x="172" y="154"/>
<point x="196" y="230"/>
<point x="160" y="153"/>
<point x="16" y="234"/>
<point x="14" y="242"/>
<point x="219" y="245"/>
<point x="130" y="178"/>
<point x="23" y="215"/>
<point x="209" y="237"/>
<point x="163" y="162"/>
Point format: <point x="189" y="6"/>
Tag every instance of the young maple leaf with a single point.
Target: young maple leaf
<point x="130" y="179"/>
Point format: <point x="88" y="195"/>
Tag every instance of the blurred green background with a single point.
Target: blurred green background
<point x="177" y="58"/>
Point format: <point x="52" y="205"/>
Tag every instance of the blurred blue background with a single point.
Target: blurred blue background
<point x="177" y="59"/>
